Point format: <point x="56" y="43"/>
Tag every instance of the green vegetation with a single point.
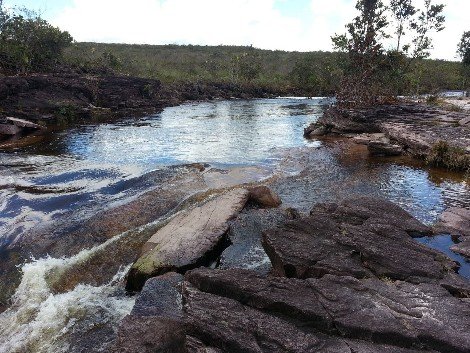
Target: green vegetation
<point x="28" y="43"/>
<point x="463" y="50"/>
<point x="453" y="158"/>
<point x="375" y="73"/>
<point x="313" y="73"/>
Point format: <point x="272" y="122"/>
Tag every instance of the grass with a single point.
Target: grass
<point x="446" y="156"/>
<point x="316" y="73"/>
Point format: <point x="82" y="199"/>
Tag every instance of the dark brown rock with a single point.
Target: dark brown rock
<point x="379" y="148"/>
<point x="237" y="310"/>
<point x="156" y="321"/>
<point x="264" y="196"/>
<point x="363" y="237"/>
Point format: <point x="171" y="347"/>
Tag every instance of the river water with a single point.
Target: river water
<point x="71" y="175"/>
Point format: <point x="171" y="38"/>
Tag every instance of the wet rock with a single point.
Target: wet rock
<point x="361" y="237"/>
<point x="291" y="315"/>
<point x="414" y="127"/>
<point x="245" y="235"/>
<point x="190" y="239"/>
<point x="456" y="221"/>
<point x="160" y="296"/>
<point x="379" y="148"/>
<point x="156" y="321"/>
<point x="9" y="129"/>
<point x="314" y="130"/>
<point x="24" y="123"/>
<point x="263" y="196"/>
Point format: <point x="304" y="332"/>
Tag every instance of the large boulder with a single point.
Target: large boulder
<point x="156" y="322"/>
<point x="361" y="237"/>
<point x="189" y="240"/>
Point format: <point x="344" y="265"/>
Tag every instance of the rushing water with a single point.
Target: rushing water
<point x="72" y="174"/>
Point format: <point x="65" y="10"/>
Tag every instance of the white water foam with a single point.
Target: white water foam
<point x="40" y="321"/>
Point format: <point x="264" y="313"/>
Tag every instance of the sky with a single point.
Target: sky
<point x="293" y="25"/>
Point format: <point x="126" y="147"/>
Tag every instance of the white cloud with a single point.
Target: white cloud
<point x="230" y="22"/>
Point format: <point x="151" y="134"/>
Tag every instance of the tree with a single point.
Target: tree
<point x="463" y="51"/>
<point x="376" y="73"/>
<point x="28" y="43"/>
<point x="363" y="44"/>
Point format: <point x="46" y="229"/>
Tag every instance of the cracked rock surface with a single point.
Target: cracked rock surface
<point x="347" y="278"/>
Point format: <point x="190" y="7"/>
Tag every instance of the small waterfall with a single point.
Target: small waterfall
<point x="40" y="321"/>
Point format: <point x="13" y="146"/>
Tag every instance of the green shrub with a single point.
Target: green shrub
<point x="453" y="158"/>
<point x="29" y="44"/>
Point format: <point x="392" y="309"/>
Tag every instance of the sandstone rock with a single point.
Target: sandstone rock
<point x="160" y="296"/>
<point x="188" y="240"/>
<point x="462" y="248"/>
<point x="7" y="129"/>
<point x="314" y="130"/>
<point x="455" y="221"/>
<point x="263" y="196"/>
<point x="465" y="121"/>
<point x="24" y="123"/>
<point x="150" y="334"/>
<point x="365" y="139"/>
<point x="379" y="148"/>
<point x="361" y="237"/>
<point x="245" y="236"/>
<point x="238" y="310"/>
<point x="156" y="321"/>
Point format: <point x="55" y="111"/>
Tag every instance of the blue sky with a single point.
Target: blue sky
<point x="301" y="25"/>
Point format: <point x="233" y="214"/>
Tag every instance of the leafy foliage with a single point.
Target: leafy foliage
<point x="29" y="43"/>
<point x="376" y="73"/>
<point x="463" y="50"/>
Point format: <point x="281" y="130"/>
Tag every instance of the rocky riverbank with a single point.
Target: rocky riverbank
<point x="439" y="136"/>
<point x="59" y="100"/>
<point x="348" y="277"/>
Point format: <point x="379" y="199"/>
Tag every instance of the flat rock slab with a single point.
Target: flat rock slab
<point x="189" y="238"/>
<point x="360" y="237"/>
<point x="415" y="127"/>
<point x="456" y="221"/>
<point x="24" y="123"/>
<point x="238" y="308"/>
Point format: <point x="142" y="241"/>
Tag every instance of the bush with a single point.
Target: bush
<point x="29" y="44"/>
<point x="453" y="158"/>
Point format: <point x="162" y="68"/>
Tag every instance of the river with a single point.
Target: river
<point x="49" y="191"/>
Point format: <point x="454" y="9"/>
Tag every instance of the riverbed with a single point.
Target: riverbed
<point x="50" y="193"/>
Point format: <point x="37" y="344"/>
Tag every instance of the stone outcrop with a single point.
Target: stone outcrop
<point x="408" y="127"/>
<point x="156" y="321"/>
<point x="456" y="222"/>
<point x="347" y="278"/>
<point x="15" y="127"/>
<point x="363" y="237"/>
<point x="195" y="237"/>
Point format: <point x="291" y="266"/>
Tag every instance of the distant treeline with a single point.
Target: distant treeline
<point x="316" y="73"/>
